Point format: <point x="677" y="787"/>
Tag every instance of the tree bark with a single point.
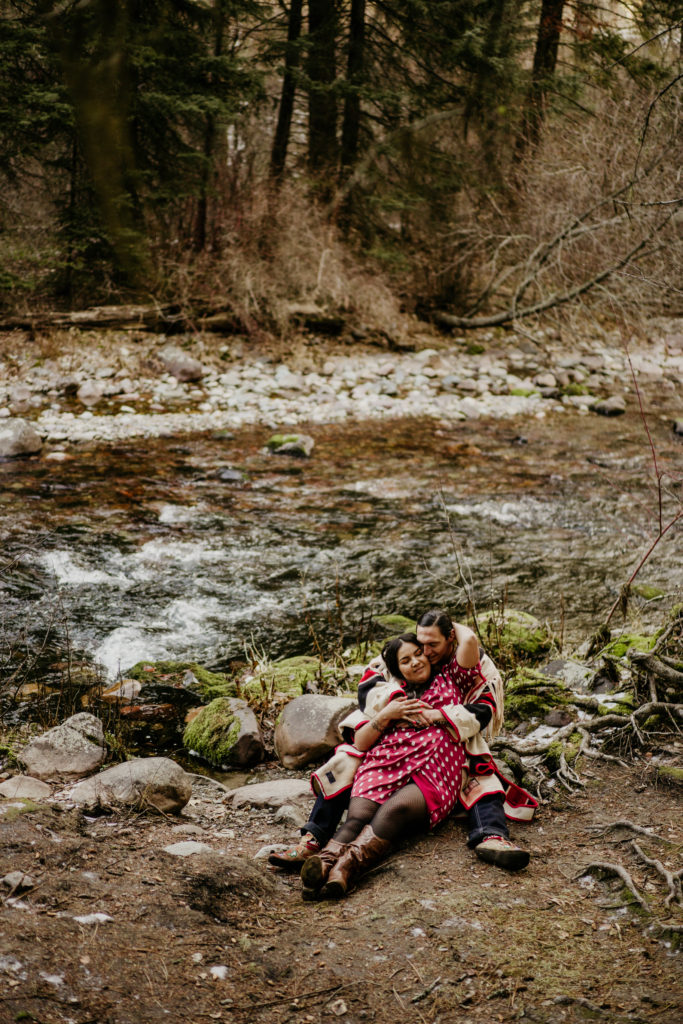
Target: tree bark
<point x="278" y="155"/>
<point x="201" y="224"/>
<point x="545" y="62"/>
<point x="354" y="77"/>
<point x="322" y="102"/>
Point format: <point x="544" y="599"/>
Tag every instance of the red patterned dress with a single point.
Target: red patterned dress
<point x="429" y="756"/>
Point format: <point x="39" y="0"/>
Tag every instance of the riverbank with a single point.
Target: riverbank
<point x="115" y="929"/>
<point x="111" y="386"/>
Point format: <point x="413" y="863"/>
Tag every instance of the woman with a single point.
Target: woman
<point x="410" y="777"/>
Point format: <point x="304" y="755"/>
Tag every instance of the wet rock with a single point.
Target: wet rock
<point x="558" y="717"/>
<point x="573" y="674"/>
<point x="298" y="445"/>
<point x="123" y="692"/>
<point x="307" y="728"/>
<point x="17" y="437"/>
<point x="181" y="365"/>
<point x="146" y="783"/>
<point x="272" y="795"/>
<point x="226" y="732"/>
<point x="69" y="751"/>
<point x="90" y="392"/>
<point x="23" y="787"/>
<point x="615" y="405"/>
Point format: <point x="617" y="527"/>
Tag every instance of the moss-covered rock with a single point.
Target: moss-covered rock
<point x="513" y="634"/>
<point x="670" y="773"/>
<point x="225" y="732"/>
<point x="289" y="676"/>
<point x="647" y="591"/>
<point x="393" y="625"/>
<point x="620" y="646"/>
<point x="173" y="673"/>
<point x="530" y="694"/>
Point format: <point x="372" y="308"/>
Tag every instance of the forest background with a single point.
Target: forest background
<point x="478" y="161"/>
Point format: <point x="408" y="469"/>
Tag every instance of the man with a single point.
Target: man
<point x="486" y="796"/>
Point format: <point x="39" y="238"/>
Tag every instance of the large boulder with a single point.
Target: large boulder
<point x="180" y="364"/>
<point x="307" y="728"/>
<point x="17" y="437"/>
<point x="226" y="732"/>
<point x="145" y="783"/>
<point x="69" y="751"/>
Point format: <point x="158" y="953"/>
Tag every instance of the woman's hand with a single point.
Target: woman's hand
<point x="402" y="709"/>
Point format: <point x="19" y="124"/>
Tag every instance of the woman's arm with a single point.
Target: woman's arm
<point x="399" y="708"/>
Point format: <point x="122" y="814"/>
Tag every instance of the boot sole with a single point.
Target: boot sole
<point x="511" y="860"/>
<point x="333" y="891"/>
<point x="312" y="873"/>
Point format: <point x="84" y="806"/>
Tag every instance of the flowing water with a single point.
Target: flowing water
<point x="195" y="547"/>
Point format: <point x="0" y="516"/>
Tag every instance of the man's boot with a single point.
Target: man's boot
<point x="316" y="869"/>
<point x="362" y="854"/>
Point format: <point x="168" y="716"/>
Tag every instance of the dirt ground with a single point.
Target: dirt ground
<point x="432" y="936"/>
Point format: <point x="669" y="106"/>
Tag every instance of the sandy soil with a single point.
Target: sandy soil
<point x="432" y="936"/>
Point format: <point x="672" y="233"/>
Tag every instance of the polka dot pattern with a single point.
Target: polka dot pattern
<point x="429" y="757"/>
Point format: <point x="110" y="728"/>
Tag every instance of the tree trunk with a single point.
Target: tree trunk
<point x="201" y="223"/>
<point x="278" y="153"/>
<point x="322" y="102"/>
<point x="354" y="77"/>
<point x="545" y="61"/>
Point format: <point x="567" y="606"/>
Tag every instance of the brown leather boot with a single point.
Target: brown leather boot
<point x="362" y="854"/>
<point x="316" y="869"/>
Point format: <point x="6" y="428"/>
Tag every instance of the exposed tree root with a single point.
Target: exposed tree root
<point x="624" y="823"/>
<point x="673" y="880"/>
<point x="615" y="869"/>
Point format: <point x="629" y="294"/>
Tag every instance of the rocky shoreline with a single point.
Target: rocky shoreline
<point x="111" y="387"/>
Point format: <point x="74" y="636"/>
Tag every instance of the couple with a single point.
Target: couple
<point x="417" y="752"/>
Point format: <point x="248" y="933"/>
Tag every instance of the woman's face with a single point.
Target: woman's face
<point x="413" y="663"/>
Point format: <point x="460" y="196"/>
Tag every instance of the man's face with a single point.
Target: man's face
<point x="436" y="646"/>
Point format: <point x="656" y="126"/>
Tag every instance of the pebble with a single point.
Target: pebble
<point x="187" y="849"/>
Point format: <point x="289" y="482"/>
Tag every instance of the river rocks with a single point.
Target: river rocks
<point x="181" y="365"/>
<point x="145" y="783"/>
<point x="90" y="392"/>
<point x="615" y="405"/>
<point x="17" y="437"/>
<point x="298" y="445"/>
<point x="24" y="787"/>
<point x="272" y="795"/>
<point x="188" y="848"/>
<point x="307" y="728"/>
<point x="69" y="751"/>
<point x="226" y="732"/>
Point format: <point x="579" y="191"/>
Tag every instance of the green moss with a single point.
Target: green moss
<point x="277" y="440"/>
<point x="288" y="676"/>
<point x="670" y="773"/>
<point x="513" y="634"/>
<point x="393" y="625"/>
<point x="576" y="389"/>
<point x="211" y="684"/>
<point x="12" y="813"/>
<point x="647" y="591"/>
<point x="618" y="647"/>
<point x="524" y="392"/>
<point x="530" y="694"/>
<point x="361" y="654"/>
<point x="213" y="732"/>
<point x="474" y="349"/>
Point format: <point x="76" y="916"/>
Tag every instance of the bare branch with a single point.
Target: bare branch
<point x="614" y="869"/>
<point x="672" y="880"/>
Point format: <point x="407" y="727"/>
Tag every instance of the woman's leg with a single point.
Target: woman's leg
<point x="361" y="812"/>
<point x="403" y="814"/>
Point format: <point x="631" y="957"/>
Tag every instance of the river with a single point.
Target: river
<point x="197" y="547"/>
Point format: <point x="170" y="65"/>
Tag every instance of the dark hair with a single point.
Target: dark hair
<point x="439" y="618"/>
<point x="391" y="649"/>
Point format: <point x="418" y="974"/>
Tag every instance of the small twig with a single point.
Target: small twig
<point x="672" y="880"/>
<point x="615" y="869"/>
<point x="423" y="995"/>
